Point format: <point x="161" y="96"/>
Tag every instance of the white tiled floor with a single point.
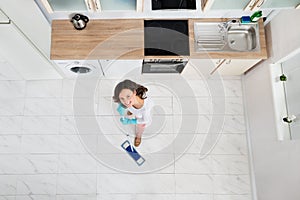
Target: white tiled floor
<point x="43" y="157"/>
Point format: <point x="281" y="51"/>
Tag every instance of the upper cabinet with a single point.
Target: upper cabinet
<point x="114" y="5"/>
<point x="223" y="4"/>
<point x="54" y="9"/>
<point x="146" y="9"/>
<point x="279" y="4"/>
<point x="227" y="4"/>
<point x="52" y="6"/>
<point x="90" y="5"/>
<point x="247" y="5"/>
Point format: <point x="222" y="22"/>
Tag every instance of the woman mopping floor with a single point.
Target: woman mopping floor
<point x="134" y="106"/>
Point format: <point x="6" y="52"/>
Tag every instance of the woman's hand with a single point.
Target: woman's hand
<point x="121" y="110"/>
<point x="126" y="121"/>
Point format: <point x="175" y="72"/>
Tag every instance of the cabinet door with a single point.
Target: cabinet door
<point x="60" y="6"/>
<point x="226" y="67"/>
<point x="228" y="4"/>
<point x="236" y="66"/>
<point x="280" y="4"/>
<point x="114" y="5"/>
<point x="66" y="5"/>
<point x="121" y="69"/>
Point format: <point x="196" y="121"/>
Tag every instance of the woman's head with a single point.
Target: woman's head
<point x="127" y="90"/>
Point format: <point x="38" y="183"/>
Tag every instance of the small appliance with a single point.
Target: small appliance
<point x="79" y="21"/>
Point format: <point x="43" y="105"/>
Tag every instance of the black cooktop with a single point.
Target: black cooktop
<point x="166" y="37"/>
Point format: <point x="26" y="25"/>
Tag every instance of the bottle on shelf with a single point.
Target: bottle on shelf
<point x="245" y="19"/>
<point x="255" y="16"/>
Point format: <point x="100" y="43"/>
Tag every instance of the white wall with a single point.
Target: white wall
<point x="25" y="42"/>
<point x="17" y="50"/>
<point x="27" y="16"/>
<point x="276" y="163"/>
<point x="284" y="34"/>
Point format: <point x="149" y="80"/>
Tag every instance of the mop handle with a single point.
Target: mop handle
<point x="123" y="117"/>
<point x="129" y="143"/>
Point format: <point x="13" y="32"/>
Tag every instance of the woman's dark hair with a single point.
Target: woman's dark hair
<point x="128" y="84"/>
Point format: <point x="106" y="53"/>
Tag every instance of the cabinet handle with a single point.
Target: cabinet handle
<point x="259" y="3"/>
<point x="228" y="62"/>
<point x="96" y="5"/>
<point x="250" y="5"/>
<point x="220" y="60"/>
<point x="219" y="65"/>
<point x="88" y="5"/>
<point x="262" y="2"/>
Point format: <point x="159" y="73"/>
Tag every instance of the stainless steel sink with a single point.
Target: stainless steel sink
<point x="230" y="36"/>
<point x="242" y="37"/>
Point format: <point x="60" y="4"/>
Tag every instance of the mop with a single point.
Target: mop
<point x="133" y="153"/>
<point x="129" y="148"/>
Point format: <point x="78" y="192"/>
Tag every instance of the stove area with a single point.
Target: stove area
<point x="166" y="38"/>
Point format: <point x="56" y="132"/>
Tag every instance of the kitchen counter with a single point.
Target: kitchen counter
<point x="124" y="39"/>
<point x="101" y="39"/>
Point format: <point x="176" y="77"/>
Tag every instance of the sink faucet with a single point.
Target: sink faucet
<point x="224" y="26"/>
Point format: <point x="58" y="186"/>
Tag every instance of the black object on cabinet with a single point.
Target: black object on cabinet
<point x="173" y="4"/>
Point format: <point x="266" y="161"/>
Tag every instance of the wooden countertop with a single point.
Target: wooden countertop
<point x="124" y="39"/>
<point x="262" y="54"/>
<point x="101" y="39"/>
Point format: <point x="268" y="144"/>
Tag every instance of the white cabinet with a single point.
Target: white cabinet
<point x="272" y="4"/>
<point x="109" y="69"/>
<point x="226" y="67"/>
<point x="227" y="4"/>
<point x="72" y="69"/>
<point x="69" y="5"/>
<point x="21" y="53"/>
<point x="248" y="5"/>
<point x="114" y="5"/>
<point x="90" y="5"/>
<point x="233" y="67"/>
<point x="279" y="4"/>
<point x="93" y="9"/>
<point x="121" y="69"/>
